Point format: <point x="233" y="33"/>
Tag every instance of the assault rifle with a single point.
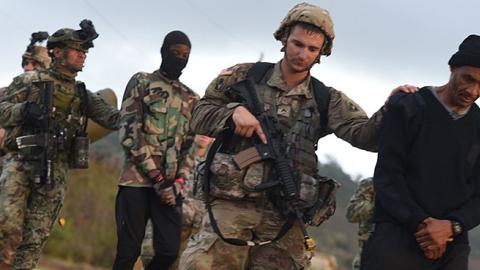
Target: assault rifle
<point x="45" y="136"/>
<point x="274" y="150"/>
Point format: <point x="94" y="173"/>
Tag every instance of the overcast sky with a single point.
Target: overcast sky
<point x="379" y="44"/>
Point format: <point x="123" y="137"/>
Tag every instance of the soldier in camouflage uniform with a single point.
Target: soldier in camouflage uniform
<point x="29" y="206"/>
<point x="193" y="208"/>
<point x="35" y="56"/>
<point x="286" y="92"/>
<point x="156" y="138"/>
<point x="360" y="210"/>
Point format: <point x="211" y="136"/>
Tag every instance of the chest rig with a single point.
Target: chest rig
<point x="60" y="133"/>
<point x="69" y="105"/>
<point x="302" y="120"/>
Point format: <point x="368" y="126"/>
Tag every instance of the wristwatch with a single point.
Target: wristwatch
<point x="456" y="227"/>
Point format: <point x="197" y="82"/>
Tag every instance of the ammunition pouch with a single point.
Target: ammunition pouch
<point x="229" y="182"/>
<point x="78" y="158"/>
<point x="316" y="198"/>
<point x="30" y="146"/>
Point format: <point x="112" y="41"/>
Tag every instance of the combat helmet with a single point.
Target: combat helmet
<point x="76" y="39"/>
<point x="310" y="14"/>
<point x="37" y="53"/>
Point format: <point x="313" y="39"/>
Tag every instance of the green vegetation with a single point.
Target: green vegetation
<point x="89" y="234"/>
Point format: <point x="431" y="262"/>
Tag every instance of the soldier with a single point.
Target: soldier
<point x="258" y="222"/>
<point x="360" y="210"/>
<point x="38" y="158"/>
<point x="36" y="56"/>
<point x="193" y="209"/>
<point x="156" y="138"/>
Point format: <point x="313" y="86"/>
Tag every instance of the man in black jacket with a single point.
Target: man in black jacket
<point x="427" y="177"/>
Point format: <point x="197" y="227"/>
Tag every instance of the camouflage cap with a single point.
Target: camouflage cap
<point x="310" y="14"/>
<point x="76" y="39"/>
<point x="39" y="54"/>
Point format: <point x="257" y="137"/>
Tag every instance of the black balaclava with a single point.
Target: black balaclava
<point x="468" y="53"/>
<point x="172" y="65"/>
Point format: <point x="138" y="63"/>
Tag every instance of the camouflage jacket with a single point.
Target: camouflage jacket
<point x="345" y="118"/>
<point x="360" y="209"/>
<point x="66" y="100"/>
<point x="154" y="128"/>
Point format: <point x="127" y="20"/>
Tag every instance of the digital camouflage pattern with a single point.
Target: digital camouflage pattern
<point x="154" y="128"/>
<point x="360" y="210"/>
<point x="237" y="219"/>
<point x="66" y="101"/>
<point x="25" y="205"/>
<point x="27" y="212"/>
<point x="253" y="215"/>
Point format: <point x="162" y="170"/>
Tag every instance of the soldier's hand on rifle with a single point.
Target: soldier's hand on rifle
<point x="246" y="124"/>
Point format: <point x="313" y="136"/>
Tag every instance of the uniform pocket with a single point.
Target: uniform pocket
<point x="226" y="179"/>
<point x="253" y="178"/>
<point x="155" y="116"/>
<point x="309" y="190"/>
<point x="325" y="205"/>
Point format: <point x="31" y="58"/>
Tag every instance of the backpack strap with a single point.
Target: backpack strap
<point x="321" y="92"/>
<point x="82" y="92"/>
<point x="322" y="97"/>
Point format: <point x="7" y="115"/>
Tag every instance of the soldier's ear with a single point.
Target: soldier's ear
<point x="57" y="52"/>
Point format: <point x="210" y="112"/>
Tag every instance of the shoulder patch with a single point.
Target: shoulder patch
<point x="226" y="72"/>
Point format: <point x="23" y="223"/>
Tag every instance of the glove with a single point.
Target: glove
<point x="32" y="114"/>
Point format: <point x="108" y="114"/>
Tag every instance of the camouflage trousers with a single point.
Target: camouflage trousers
<point x="192" y="214"/>
<point x="245" y="220"/>
<point x="27" y="212"/>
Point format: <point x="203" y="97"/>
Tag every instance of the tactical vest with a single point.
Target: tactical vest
<point x="70" y="101"/>
<point x="303" y="121"/>
<point x="302" y="124"/>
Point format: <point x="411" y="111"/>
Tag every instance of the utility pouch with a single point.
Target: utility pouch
<point x="79" y="155"/>
<point x="226" y="179"/>
<point x="309" y="190"/>
<point x="325" y="205"/>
